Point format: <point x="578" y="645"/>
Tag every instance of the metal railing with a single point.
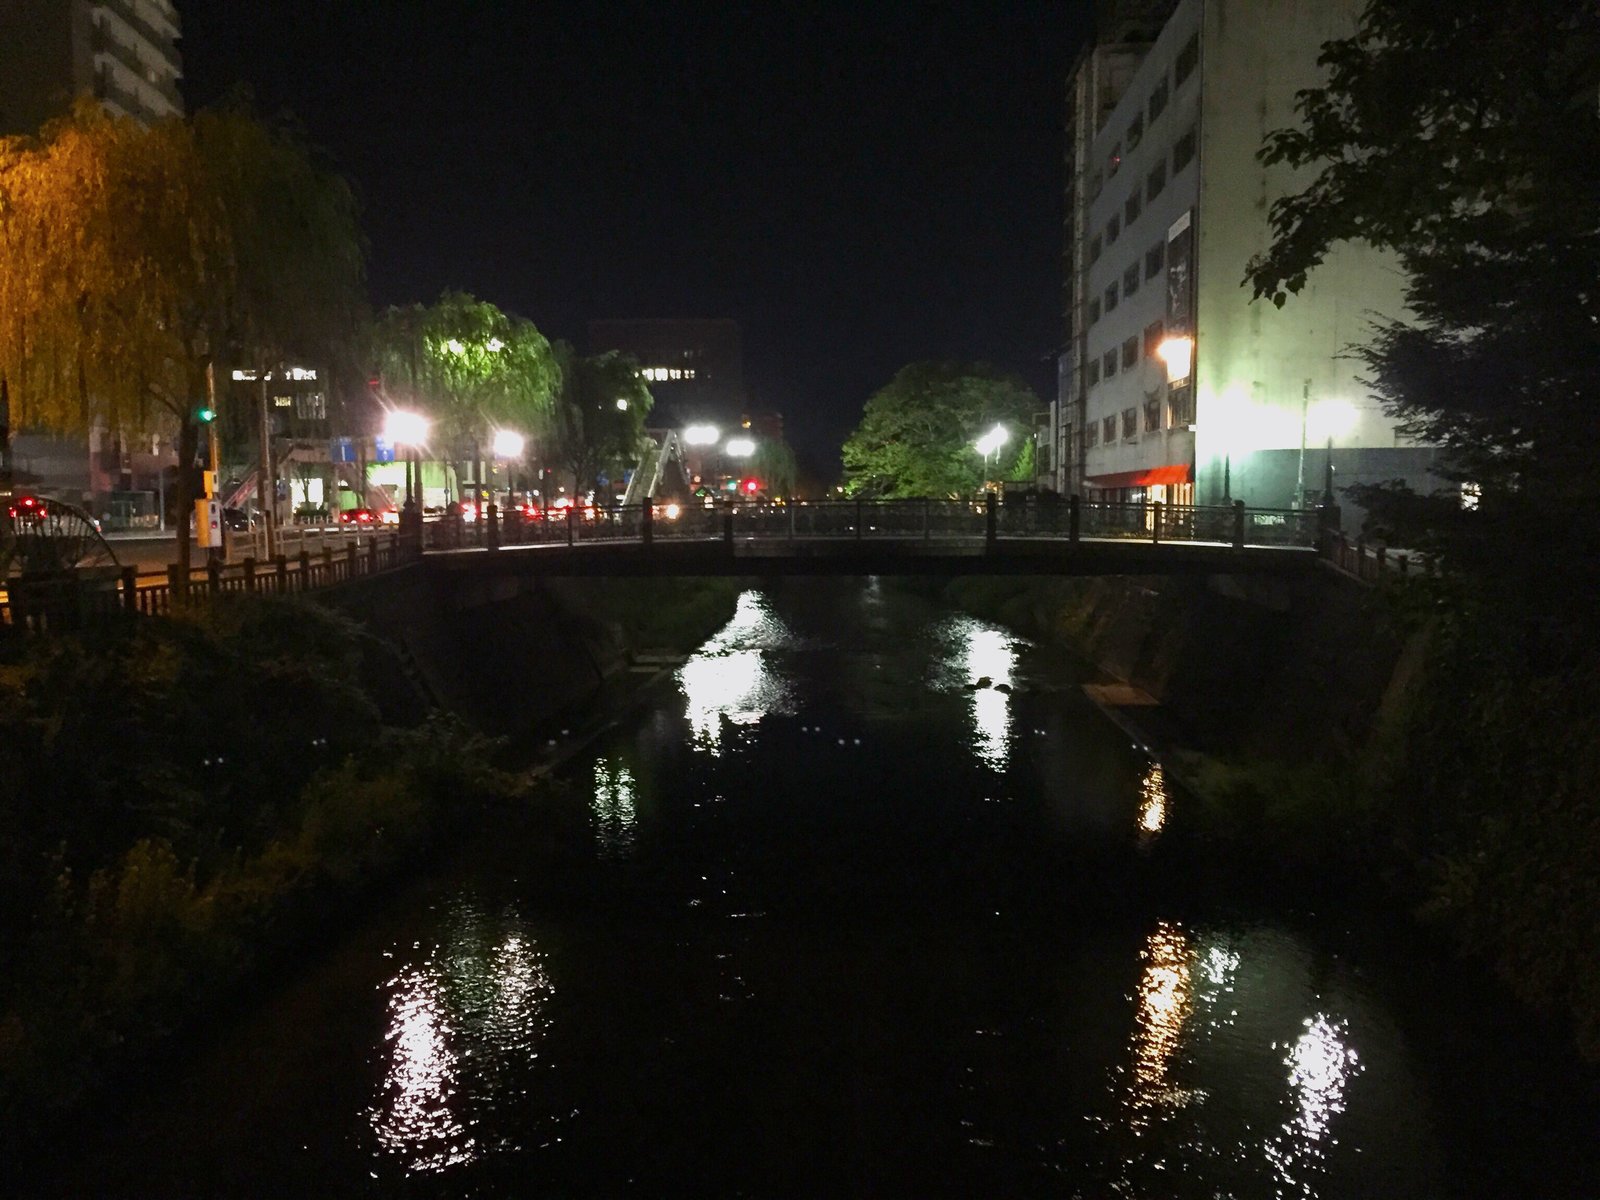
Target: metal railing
<point x="1069" y="520"/>
<point x="71" y="599"/>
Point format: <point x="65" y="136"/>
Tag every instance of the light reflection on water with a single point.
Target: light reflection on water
<point x="1165" y="1003"/>
<point x="730" y="677"/>
<point x="1153" y="800"/>
<point x="1321" y="1066"/>
<point x="615" y="805"/>
<point x="462" y="1022"/>
<point x="988" y="663"/>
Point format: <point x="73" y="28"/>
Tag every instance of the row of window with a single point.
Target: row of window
<point x="1136" y="419"/>
<point x="1182" y="67"/>
<point x="1154" y="260"/>
<point x="1126" y="356"/>
<point x="663" y="374"/>
<point x="1154" y="183"/>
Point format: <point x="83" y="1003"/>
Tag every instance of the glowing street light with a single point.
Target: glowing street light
<point x="701" y="435"/>
<point x="455" y="346"/>
<point x="740" y="447"/>
<point x="1178" y="353"/>
<point x="989" y="444"/>
<point x="622" y="404"/>
<point x="508" y="443"/>
<point x="409" y="429"/>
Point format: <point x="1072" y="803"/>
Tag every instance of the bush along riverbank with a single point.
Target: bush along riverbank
<point x="1437" y="751"/>
<point x="183" y="800"/>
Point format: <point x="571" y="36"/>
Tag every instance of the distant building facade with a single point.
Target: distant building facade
<point x="123" y="52"/>
<point x="694" y="368"/>
<point x="1172" y="385"/>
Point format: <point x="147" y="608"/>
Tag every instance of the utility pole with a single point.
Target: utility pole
<point x="1300" y="478"/>
<point x="214" y="552"/>
<point x="267" y="485"/>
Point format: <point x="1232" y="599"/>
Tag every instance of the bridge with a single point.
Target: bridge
<point x="881" y="537"/>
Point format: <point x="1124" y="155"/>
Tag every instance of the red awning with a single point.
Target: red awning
<point x="1176" y="473"/>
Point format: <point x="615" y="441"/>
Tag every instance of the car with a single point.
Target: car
<point x="358" y="516"/>
<point x="237" y="520"/>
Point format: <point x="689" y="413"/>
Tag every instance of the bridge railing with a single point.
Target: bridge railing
<point x="862" y="519"/>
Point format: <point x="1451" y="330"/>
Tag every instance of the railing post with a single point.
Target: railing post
<point x="927" y="527"/>
<point x="1155" y="529"/>
<point x="1382" y="562"/>
<point x="491" y="530"/>
<point x="327" y="565"/>
<point x="860" y="520"/>
<point x="1074" y="518"/>
<point x="130" y="589"/>
<point x="305" y="569"/>
<point x="572" y="510"/>
<point x="727" y="523"/>
<point x="249" y="574"/>
<point x="1238" y="524"/>
<point x="647" y="521"/>
<point x="177" y="583"/>
<point x="214" y="574"/>
<point x="790" y="509"/>
<point x="1361" y="557"/>
<point x="351" y="552"/>
<point x="372" y="556"/>
<point x="281" y="565"/>
<point x="990" y="522"/>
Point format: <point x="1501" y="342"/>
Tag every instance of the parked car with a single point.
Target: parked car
<point x="237" y="520"/>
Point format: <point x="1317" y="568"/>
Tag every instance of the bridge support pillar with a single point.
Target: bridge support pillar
<point x="1074" y="519"/>
<point x="647" y="521"/>
<point x="1238" y="524"/>
<point x="990" y="523"/>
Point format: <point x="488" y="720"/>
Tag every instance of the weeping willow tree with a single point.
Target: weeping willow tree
<point x="138" y="259"/>
<point x="470" y="368"/>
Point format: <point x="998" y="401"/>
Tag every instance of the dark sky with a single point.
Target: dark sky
<point x="860" y="185"/>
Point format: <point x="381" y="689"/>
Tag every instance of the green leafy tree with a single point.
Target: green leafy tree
<point x="139" y="259"/>
<point x="470" y="367"/>
<point x="600" y="414"/>
<point x="774" y="464"/>
<point x="1484" y="180"/>
<point x="917" y="434"/>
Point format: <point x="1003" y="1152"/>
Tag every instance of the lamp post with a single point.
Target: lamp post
<point x="508" y="447"/>
<point x="989" y="444"/>
<point x="410" y="430"/>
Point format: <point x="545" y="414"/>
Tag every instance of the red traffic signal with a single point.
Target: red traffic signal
<point x="750" y="487"/>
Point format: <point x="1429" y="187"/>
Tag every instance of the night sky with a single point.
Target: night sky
<point x="860" y="185"/>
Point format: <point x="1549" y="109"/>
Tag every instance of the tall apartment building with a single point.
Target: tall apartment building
<point x="123" y="52"/>
<point x="1172" y="384"/>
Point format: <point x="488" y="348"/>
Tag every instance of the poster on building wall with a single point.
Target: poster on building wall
<point x="1180" y="275"/>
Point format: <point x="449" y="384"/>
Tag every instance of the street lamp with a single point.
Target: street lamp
<point x="508" y="448"/>
<point x="700" y="435"/>
<point x="401" y="428"/>
<point x="988" y="444"/>
<point x="739" y="447"/>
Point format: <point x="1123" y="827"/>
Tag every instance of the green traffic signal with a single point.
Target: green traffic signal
<point x="206" y="415"/>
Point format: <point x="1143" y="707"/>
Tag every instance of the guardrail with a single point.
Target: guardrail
<point x="1069" y="519"/>
<point x="1375" y="563"/>
<point x="70" y="599"/>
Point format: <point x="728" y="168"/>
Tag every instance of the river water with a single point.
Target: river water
<point x="867" y="901"/>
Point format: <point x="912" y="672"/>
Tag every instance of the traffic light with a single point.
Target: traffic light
<point x="751" y="486"/>
<point x="205" y="414"/>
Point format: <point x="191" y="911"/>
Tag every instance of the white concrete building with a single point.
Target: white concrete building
<point x="122" y="52"/>
<point x="1173" y="385"/>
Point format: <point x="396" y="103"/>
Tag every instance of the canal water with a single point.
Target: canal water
<point x="867" y="901"/>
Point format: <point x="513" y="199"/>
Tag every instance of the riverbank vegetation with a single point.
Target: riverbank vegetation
<point x="179" y="800"/>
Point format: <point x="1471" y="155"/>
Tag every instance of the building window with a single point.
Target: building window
<point x="1108" y="429"/>
<point x="1132" y="207"/>
<point x="1130" y="278"/>
<point x="1114" y="160"/>
<point x="1111" y="299"/>
<point x="1094" y="310"/>
<point x="1158" y="98"/>
<point x="311" y="406"/>
<point x="1155" y="259"/>
<point x="1095" y="246"/>
<point x="1157" y="180"/>
<point x="1113" y="229"/>
<point x="1135" y="131"/>
<point x="1130" y="352"/>
<point x="1091" y="435"/>
<point x="1152" y="338"/>
<point x="1093" y="373"/>
<point x="1108" y="363"/>
<point x="1183" y="151"/>
<point x="1130" y="423"/>
<point x="1188" y="59"/>
<point x="1180" y="405"/>
<point x="1152" y="414"/>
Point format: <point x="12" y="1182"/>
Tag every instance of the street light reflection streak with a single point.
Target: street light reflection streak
<point x="730" y="678"/>
<point x="1153" y="799"/>
<point x="615" y="807"/>
<point x="1321" y="1066"/>
<point x="1165" y="1003"/>
<point x="990" y="662"/>
<point x="415" y="1119"/>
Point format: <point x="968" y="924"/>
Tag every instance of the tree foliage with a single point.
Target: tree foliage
<point x="916" y="436"/>
<point x="1465" y="139"/>
<point x="600" y="413"/>
<point x="470" y="367"/>
<point x="775" y="465"/>
<point x="136" y="258"/>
